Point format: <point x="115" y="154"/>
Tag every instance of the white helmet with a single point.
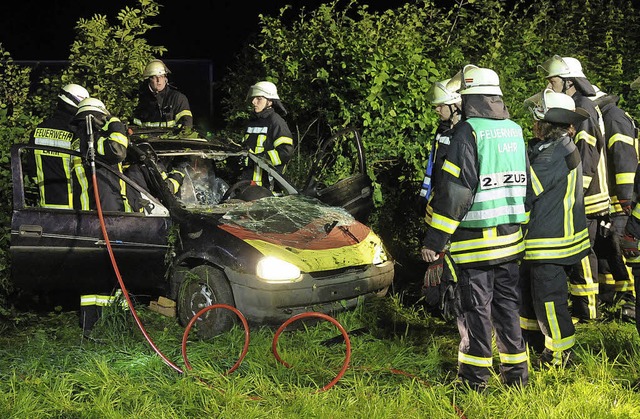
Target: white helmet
<point x="555" y="107"/>
<point x="635" y="85"/>
<point x="73" y="94"/>
<point x="564" y="67"/>
<point x="599" y="93"/>
<point x="265" y="89"/>
<point x="474" y="80"/>
<point x="438" y="94"/>
<point x="92" y="104"/>
<point x="155" y="68"/>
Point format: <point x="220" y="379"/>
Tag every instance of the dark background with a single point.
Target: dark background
<point x="202" y="37"/>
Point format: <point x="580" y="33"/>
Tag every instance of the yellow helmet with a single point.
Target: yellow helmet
<point x="265" y="89"/>
<point x="564" y="67"/>
<point x="73" y="94"/>
<point x="474" y="80"/>
<point x="438" y="94"/>
<point x="92" y="104"/>
<point x="155" y="68"/>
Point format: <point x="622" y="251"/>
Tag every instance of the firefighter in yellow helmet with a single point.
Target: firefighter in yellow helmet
<point x="485" y="178"/>
<point x="159" y="103"/>
<point x="556" y="233"/>
<point x="52" y="170"/>
<point x="565" y="75"/>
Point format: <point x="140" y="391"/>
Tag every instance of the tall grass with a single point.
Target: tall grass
<point x="402" y="365"/>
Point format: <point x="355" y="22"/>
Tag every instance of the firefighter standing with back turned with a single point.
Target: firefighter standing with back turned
<point x="620" y="134"/>
<point x="52" y="171"/>
<point x="556" y="235"/>
<point x="480" y="211"/>
<point x="564" y="75"/>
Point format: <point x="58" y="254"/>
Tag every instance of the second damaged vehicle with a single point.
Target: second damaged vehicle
<point x="270" y="254"/>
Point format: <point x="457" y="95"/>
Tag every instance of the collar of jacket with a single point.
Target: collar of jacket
<point x="484" y="106"/>
<point x="265" y="113"/>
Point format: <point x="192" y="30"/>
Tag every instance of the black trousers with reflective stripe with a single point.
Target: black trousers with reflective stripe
<point x="544" y="298"/>
<point x="489" y="299"/>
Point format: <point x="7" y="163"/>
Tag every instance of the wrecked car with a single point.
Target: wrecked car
<point x="271" y="254"/>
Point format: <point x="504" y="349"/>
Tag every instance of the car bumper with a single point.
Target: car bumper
<point x="272" y="303"/>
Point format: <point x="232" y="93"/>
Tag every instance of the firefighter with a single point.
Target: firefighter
<point x="630" y="243"/>
<point x="439" y="277"/>
<point x="110" y="145"/>
<point x="565" y="75"/>
<point x="266" y="132"/>
<point x="161" y="105"/>
<point x="51" y="170"/>
<point x="616" y="283"/>
<point x="480" y="215"/>
<point x="556" y="236"/>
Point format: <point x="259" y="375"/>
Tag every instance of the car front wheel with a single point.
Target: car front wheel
<point x="201" y="287"/>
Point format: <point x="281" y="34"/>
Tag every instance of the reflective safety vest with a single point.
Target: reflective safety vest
<point x="502" y="186"/>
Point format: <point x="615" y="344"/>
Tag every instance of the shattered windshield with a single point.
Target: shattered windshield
<point x="275" y="216"/>
<point x="201" y="186"/>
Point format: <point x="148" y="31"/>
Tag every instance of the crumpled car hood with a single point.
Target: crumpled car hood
<point x="303" y="231"/>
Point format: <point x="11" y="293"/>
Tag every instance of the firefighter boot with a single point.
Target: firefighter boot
<point x="89" y="315"/>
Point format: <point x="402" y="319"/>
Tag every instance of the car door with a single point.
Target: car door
<point x="338" y="174"/>
<point x="63" y="250"/>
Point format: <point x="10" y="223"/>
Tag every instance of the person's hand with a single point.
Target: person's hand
<point x="629" y="246"/>
<point x="625" y="204"/>
<point x="429" y="255"/>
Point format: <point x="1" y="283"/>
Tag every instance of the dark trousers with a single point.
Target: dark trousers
<point x="488" y="299"/>
<point x="613" y="275"/>
<point x="583" y="280"/>
<point x="545" y="317"/>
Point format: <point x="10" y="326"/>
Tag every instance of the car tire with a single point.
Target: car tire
<point x="203" y="286"/>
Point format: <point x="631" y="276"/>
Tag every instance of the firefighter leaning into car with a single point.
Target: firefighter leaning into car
<point x="266" y="132"/>
<point x="485" y="176"/>
<point x="161" y="105"/>
<point x="439" y="277"/>
<point x="620" y="134"/>
<point x="556" y="236"/>
<point x="565" y="75"/>
<point x="110" y="143"/>
<point x="51" y="170"/>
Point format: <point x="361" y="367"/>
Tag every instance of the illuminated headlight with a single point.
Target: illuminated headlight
<point x="379" y="255"/>
<point x="272" y="269"/>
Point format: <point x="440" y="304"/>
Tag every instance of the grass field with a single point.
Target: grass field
<point x="401" y="366"/>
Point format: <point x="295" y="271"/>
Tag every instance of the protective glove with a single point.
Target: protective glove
<point x="626" y="206"/>
<point x="629" y="246"/>
<point x="433" y="275"/>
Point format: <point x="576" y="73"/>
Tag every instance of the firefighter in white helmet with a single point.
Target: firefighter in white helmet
<point x="52" y="170"/>
<point x="485" y="178"/>
<point x="161" y="105"/>
<point x="267" y="133"/>
<point x="621" y="139"/>
<point x="557" y="236"/>
<point x="110" y="145"/>
<point x="438" y="283"/>
<point x="565" y="75"/>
